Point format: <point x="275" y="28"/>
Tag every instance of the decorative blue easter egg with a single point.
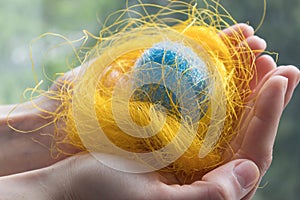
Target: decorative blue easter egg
<point x="173" y="76"/>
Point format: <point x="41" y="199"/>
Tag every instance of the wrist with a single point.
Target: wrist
<point x="44" y="184"/>
<point x="89" y="179"/>
<point x="58" y="180"/>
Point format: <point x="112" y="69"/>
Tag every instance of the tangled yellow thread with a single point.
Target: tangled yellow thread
<point x="89" y="103"/>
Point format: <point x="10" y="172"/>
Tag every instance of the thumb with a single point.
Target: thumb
<point x="235" y="179"/>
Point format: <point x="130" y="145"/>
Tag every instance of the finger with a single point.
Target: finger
<point x="293" y="76"/>
<point x="259" y="138"/>
<point x="264" y="64"/>
<point x="67" y="79"/>
<point x="239" y="29"/>
<point x="231" y="181"/>
<point x="292" y="73"/>
<point x="236" y="33"/>
<point x="256" y="44"/>
<point x="251" y="48"/>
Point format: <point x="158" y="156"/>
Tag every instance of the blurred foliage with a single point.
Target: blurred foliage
<point x="22" y="21"/>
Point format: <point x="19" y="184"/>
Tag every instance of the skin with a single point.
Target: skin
<point x="83" y="177"/>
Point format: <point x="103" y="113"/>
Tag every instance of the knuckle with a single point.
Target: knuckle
<point x="265" y="164"/>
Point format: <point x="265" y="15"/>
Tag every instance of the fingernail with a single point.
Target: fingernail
<point x="285" y="83"/>
<point x="246" y="174"/>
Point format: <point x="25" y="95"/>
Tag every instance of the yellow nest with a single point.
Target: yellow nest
<point x="99" y="113"/>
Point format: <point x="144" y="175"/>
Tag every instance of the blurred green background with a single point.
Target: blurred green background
<point x="23" y="21"/>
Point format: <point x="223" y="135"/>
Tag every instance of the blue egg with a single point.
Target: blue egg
<point x="172" y="75"/>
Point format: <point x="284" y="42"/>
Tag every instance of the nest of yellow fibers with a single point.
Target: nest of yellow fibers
<point x="100" y="114"/>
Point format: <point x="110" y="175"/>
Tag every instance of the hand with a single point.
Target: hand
<point x="272" y="90"/>
<point x="27" y="143"/>
<point x="84" y="177"/>
<point x="239" y="178"/>
<point x="270" y="97"/>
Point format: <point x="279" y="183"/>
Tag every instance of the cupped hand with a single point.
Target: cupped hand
<point x="252" y="148"/>
<point x="82" y="176"/>
<point x="237" y="179"/>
